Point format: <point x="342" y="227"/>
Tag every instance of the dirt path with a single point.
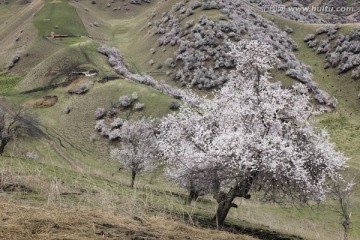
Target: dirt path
<point x="50" y="139"/>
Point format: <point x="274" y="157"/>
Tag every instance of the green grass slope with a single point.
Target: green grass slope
<point x="59" y="17"/>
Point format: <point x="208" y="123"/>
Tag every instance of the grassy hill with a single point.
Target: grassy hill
<point x="73" y="171"/>
<point x="59" y="17"/>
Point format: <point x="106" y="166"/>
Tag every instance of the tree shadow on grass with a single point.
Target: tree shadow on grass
<point x="260" y="232"/>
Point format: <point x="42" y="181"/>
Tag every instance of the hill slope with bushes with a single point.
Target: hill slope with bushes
<point x="63" y="62"/>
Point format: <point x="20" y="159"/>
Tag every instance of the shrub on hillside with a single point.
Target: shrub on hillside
<point x="100" y="113"/>
<point x="324" y="47"/>
<point x="100" y="124"/>
<point x="288" y="29"/>
<point x="81" y="89"/>
<point x="134" y="96"/>
<point x="32" y="156"/>
<point x="309" y="37"/>
<point x="139" y="106"/>
<point x="138" y="2"/>
<point x="321" y="30"/>
<point x="67" y="110"/>
<point x="115" y="59"/>
<point x="125" y="101"/>
<point x="112" y="111"/>
<point x="356" y="73"/>
<point x="114" y="134"/>
<point x="177" y="6"/>
<point x="117" y="123"/>
<point x="174" y="105"/>
<point x="105" y="132"/>
<point x="312" y="43"/>
<point x="170" y="62"/>
<point x="195" y="5"/>
<point x="14" y="59"/>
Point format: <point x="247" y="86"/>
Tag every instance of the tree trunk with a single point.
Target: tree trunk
<point x="133" y="176"/>
<point x="193" y="195"/>
<point x="222" y="211"/>
<point x="2" y="147"/>
<point x="346" y="225"/>
<point x="225" y="200"/>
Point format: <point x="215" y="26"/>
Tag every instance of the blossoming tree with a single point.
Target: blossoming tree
<point x="138" y="144"/>
<point x="254" y="135"/>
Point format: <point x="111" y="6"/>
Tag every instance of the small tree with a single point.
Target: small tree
<point x="8" y="128"/>
<point x="138" y="147"/>
<point x="341" y="191"/>
<point x="11" y="123"/>
<point x="255" y="134"/>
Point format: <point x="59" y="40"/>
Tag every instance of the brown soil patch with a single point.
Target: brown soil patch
<point x="47" y="101"/>
<point x="75" y="83"/>
<point x="22" y="222"/>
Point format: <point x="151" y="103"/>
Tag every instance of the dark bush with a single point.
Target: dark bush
<point x="14" y="59"/>
<point x="174" y="105"/>
<point x="288" y="29"/>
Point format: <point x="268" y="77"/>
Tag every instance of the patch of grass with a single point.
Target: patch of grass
<point x="349" y="2"/>
<point x="72" y="40"/>
<point x="7" y="83"/>
<point x="59" y="17"/>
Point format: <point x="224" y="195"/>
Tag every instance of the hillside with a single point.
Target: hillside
<point x="345" y="16"/>
<point x="62" y="183"/>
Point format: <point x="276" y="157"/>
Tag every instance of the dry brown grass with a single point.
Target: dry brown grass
<point x="18" y="221"/>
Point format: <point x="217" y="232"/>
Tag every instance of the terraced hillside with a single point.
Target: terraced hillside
<point x="51" y="66"/>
